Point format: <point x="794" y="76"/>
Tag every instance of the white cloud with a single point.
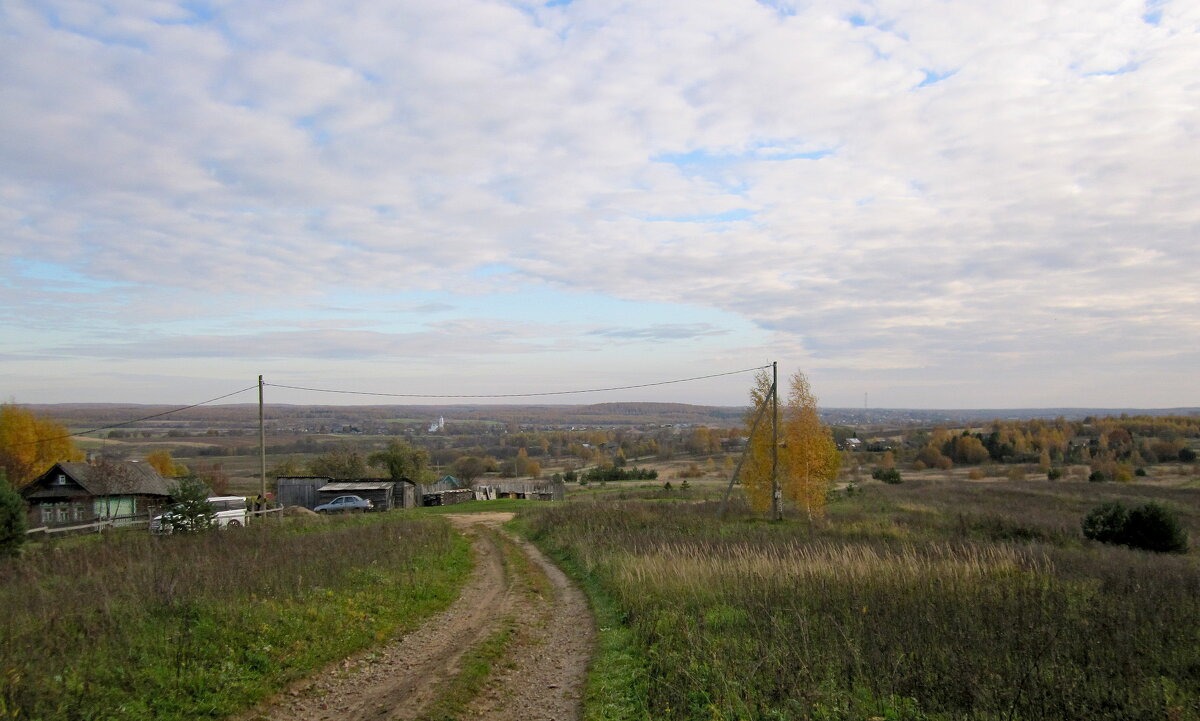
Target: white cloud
<point x="914" y="182"/>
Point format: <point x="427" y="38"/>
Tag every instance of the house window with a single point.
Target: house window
<point x="61" y="512"/>
<point x="77" y="511"/>
<point x="60" y="480"/>
<point x="47" y="513"/>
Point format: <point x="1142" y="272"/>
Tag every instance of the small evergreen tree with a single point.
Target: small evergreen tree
<point x="192" y="512"/>
<point x="887" y="475"/>
<point x="12" y="518"/>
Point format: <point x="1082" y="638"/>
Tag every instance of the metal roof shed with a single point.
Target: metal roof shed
<point x="381" y="493"/>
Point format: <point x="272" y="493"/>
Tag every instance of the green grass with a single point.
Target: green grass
<point x="204" y="626"/>
<point x="907" y="603"/>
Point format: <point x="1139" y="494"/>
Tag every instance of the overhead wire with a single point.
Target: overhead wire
<point x="515" y="395"/>
<point x="395" y="395"/>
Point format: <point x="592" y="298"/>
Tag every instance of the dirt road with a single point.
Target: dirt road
<point x="517" y="611"/>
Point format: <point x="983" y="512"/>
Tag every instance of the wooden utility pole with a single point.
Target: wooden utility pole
<point x="776" y="492"/>
<point x="745" y="453"/>
<point x="262" y="443"/>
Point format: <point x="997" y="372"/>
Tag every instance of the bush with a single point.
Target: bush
<point x="1187" y="455"/>
<point x="1097" y="477"/>
<point x="1154" y="528"/>
<point x="12" y="519"/>
<point x="1106" y="522"/>
<point x="887" y="475"/>
<point x="1054" y="474"/>
<point x="1149" y="527"/>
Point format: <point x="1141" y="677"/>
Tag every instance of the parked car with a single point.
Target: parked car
<point x="345" y="504"/>
<point x="228" y="512"/>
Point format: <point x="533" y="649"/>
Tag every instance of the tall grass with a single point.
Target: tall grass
<point x="890" y="613"/>
<point x="202" y="626"/>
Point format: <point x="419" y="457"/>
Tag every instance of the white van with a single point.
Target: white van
<point x="228" y="512"/>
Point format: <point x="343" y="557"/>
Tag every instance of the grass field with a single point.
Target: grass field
<point x="139" y="627"/>
<point x="936" y="600"/>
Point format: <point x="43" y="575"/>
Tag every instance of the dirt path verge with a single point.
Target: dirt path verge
<point x="539" y="671"/>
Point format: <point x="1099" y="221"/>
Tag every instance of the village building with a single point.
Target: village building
<point x="88" y="492"/>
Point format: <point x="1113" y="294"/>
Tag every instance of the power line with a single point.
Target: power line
<point x="516" y="395"/>
<point x="137" y="420"/>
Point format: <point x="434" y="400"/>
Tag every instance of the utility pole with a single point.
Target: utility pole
<point x="262" y="443"/>
<point x="776" y="493"/>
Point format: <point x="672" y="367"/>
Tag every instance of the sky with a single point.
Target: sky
<point x="919" y="204"/>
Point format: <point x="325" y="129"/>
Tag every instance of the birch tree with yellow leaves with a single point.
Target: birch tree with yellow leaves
<point x="808" y="459"/>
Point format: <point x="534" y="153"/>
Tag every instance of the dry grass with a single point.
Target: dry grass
<point x="913" y="602"/>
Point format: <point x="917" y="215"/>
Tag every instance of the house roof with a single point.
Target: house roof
<point x="357" y="486"/>
<point x="132" y="478"/>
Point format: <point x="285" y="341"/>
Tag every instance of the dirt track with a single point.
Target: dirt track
<point x="540" y="676"/>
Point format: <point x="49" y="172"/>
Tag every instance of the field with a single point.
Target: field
<point x="139" y="627"/>
<point x="927" y="600"/>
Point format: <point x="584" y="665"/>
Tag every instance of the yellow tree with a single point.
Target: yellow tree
<point x="166" y="466"/>
<point x="809" y="459"/>
<point x="756" y="468"/>
<point x="29" y="444"/>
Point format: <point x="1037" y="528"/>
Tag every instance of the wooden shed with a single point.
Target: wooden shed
<point x="448" y="498"/>
<point x="299" y="490"/>
<point x="534" y="490"/>
<point x="407" y="495"/>
<point x="379" y="492"/>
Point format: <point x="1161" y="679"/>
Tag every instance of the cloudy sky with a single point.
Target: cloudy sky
<point x="939" y="204"/>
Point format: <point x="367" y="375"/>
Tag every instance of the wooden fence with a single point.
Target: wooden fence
<point x="102" y="525"/>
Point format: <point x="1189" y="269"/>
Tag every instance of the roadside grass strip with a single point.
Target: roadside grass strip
<point x="206" y="626"/>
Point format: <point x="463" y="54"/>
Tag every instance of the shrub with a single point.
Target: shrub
<point x="1054" y="474"/>
<point x="1187" y="455"/>
<point x="1154" y="528"/>
<point x="1140" y="473"/>
<point x="887" y="475"/>
<point x="1106" y="522"/>
<point x="1149" y="527"/>
<point x="12" y="519"/>
<point x="1097" y="477"/>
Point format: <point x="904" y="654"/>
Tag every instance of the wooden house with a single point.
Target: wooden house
<point x="77" y="493"/>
